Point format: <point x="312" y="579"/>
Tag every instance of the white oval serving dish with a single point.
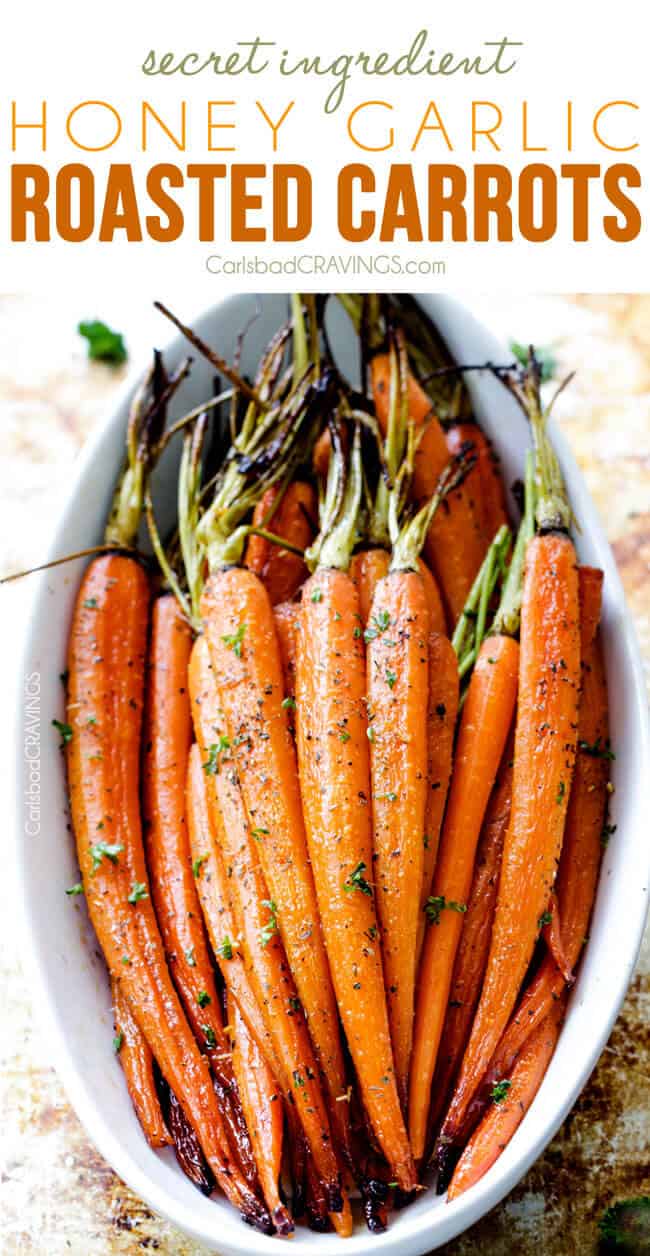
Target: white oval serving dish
<point x="71" y="983"/>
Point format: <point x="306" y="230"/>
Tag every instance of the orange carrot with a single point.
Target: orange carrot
<point x="397" y="686"/>
<point x="240" y="631"/>
<point x="257" y="917"/>
<point x="216" y="904"/>
<point x="512" y="1099"/>
<point x="105" y="694"/>
<point x="135" y="1056"/>
<point x="369" y="566"/>
<point x="286" y="615"/>
<point x="482" y="735"/>
<point x="442" y="711"/>
<point x="291" y="515"/>
<point x="552" y="935"/>
<point x="262" y="1103"/>
<point x="472" y="954"/>
<point x="335" y="785"/>
<point x="581" y="850"/>
<point x="487" y="486"/>
<point x="456" y="543"/>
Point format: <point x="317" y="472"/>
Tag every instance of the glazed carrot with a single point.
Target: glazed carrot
<point x="484" y="726"/>
<point x="552" y="935"/>
<point x="216" y="903"/>
<point x="485" y="480"/>
<point x="545" y="747"/>
<point x="257" y="919"/>
<point x="135" y="1056"/>
<point x="442" y="711"/>
<point x="472" y="954"/>
<point x="456" y="543"/>
<point x="507" y="1113"/>
<point x="262" y="1103"/>
<point x="167" y="738"/>
<point x="187" y="1147"/>
<point x="369" y="566"/>
<point x="335" y="786"/>
<point x="291" y="515"/>
<point x="286" y="616"/>
<point x="105" y="694"/>
<point x="397" y="667"/>
<point x="581" y="854"/>
<point x="590" y="593"/>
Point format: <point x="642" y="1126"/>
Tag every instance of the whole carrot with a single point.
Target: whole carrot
<point x="545" y="746"/>
<point x="472" y="954"/>
<point x="335" y="786"/>
<point x="442" y="710"/>
<point x="136" y="1059"/>
<point x="256" y="914"/>
<point x="262" y="1103"/>
<point x="290" y="515"/>
<point x="511" y="1100"/>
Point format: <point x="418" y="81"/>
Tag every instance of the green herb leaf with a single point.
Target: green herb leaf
<point x="75" y="889"/>
<point x="561" y="791"/>
<point x="357" y="881"/>
<point x="198" y="863"/>
<point x="370" y="733"/>
<point x="258" y="834"/>
<point x="317" y="595"/>
<point x="289" y="704"/>
<point x="105" y="849"/>
<point x="138" y="892"/>
<point x="209" y="1035"/>
<point x="545" y="357"/>
<point x="271" y="927"/>
<point x="215" y="752"/>
<point x="378" y="624"/>
<point x="234" y="640"/>
<point x="64" y="730"/>
<point x="117" y="1043"/>
<point x="226" y="949"/>
<point x="437" y="903"/>
<point x="500" y="1090"/>
<point x="294" y="1003"/>
<point x="545" y="919"/>
<point x="91" y="603"/>
<point x="391" y="678"/>
<point x="104" y="345"/>
<point x="203" y="998"/>
<point x="596" y="750"/>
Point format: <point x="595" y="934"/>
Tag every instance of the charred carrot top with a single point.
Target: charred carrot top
<point x="292" y="516"/>
<point x="545" y="747"/>
<point x="136" y="1059"/>
<point x="335" y="785"/>
<point x="512" y="1098"/>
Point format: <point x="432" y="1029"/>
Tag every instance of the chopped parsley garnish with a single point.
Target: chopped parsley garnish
<point x="203" y="998"/>
<point x="356" y="633"/>
<point x="500" y="1090"/>
<point x="138" y="892"/>
<point x="91" y="603"/>
<point x="225" y="949"/>
<point x="258" y="834"/>
<point x="545" y="919"/>
<point x="561" y="791"/>
<point x="298" y="1079"/>
<point x="117" y="1042"/>
<point x="75" y="889"/>
<point x="437" y="903"/>
<point x="289" y="704"/>
<point x="357" y="881"/>
<point x="104" y="345"/>
<point x="391" y="796"/>
<point x="209" y="1035"/>
<point x="271" y="927"/>
<point x="197" y="864"/>
<point x="234" y="640"/>
<point x="294" y="1003"/>
<point x="105" y="849"/>
<point x="596" y="750"/>
<point x="378" y="624"/>
<point x="344" y="735"/>
<point x="370" y="732"/>
<point x="391" y="678"/>
<point x="317" y="595"/>
<point x="64" y="731"/>
<point x="219" y="748"/>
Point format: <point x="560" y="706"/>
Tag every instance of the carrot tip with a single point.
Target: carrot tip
<point x="445" y="1159"/>
<point x="283" y="1221"/>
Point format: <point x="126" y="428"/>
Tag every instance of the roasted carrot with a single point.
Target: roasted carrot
<point x="291" y="515"/>
<point x="552" y="935"/>
<point x="485" y="480"/>
<point x="581" y="851"/>
<point x="335" y="786"/>
<point x="135" y="1056"/>
<point x="187" y="1147"/>
<point x="286" y="616"/>
<point x="442" y="710"/>
<point x="257" y="919"/>
<point x="213" y="885"/>
<point x="545" y="746"/>
<point x="472" y="954"/>
<point x="456" y="543"/>
<point x="484" y="726"/>
<point x="261" y="1098"/>
<point x="105" y="694"/>
<point x="511" y="1101"/>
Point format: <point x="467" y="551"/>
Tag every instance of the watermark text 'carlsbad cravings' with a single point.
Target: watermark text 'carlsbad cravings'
<point x="32" y="753"/>
<point x="257" y="56"/>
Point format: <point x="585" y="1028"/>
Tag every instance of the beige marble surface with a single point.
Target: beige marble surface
<point x="57" y="1196"/>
